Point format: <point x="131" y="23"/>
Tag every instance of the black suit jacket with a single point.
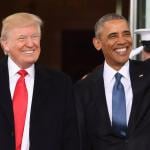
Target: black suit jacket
<point x="52" y="119"/>
<point x="93" y="117"/>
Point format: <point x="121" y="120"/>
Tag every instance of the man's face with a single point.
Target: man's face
<point x="116" y="42"/>
<point x="23" y="45"/>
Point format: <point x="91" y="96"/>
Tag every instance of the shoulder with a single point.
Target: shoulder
<point x="91" y="79"/>
<point x="140" y="65"/>
<point x="51" y="75"/>
<point x="3" y="61"/>
<point x="138" y="68"/>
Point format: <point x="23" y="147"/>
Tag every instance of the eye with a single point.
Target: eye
<point x="21" y="38"/>
<point x="127" y="33"/>
<point x="35" y="36"/>
<point x="112" y="36"/>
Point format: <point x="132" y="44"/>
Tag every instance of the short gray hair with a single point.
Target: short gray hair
<point x="108" y="17"/>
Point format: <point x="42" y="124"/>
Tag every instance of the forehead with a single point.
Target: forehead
<point x="119" y="25"/>
<point x="24" y="30"/>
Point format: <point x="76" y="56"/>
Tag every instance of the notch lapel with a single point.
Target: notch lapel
<point x="5" y="97"/>
<point x="137" y="75"/>
<point x="100" y="97"/>
<point x="36" y="96"/>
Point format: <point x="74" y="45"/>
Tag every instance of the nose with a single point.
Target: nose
<point x="121" y="40"/>
<point x="29" y="42"/>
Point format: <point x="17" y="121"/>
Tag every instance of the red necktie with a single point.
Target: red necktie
<point x="20" y="100"/>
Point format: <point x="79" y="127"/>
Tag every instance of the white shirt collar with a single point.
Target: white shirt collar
<point x="13" y="68"/>
<point x="109" y="72"/>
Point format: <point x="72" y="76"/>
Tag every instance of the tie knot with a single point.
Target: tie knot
<point x="118" y="76"/>
<point x="22" y="72"/>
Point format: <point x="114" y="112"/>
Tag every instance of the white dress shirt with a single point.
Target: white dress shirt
<point x="109" y="80"/>
<point x="29" y="80"/>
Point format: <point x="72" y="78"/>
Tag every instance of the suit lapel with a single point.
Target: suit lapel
<point x="101" y="105"/>
<point x="137" y="76"/>
<point x="36" y="94"/>
<point x="139" y="105"/>
<point x="5" y="96"/>
<point x="41" y="88"/>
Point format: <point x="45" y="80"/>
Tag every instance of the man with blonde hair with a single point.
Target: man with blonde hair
<point x="36" y="108"/>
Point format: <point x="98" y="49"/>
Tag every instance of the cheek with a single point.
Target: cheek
<point x="130" y="41"/>
<point x="36" y="44"/>
<point x="8" y="47"/>
<point x="106" y="48"/>
<point x="13" y="44"/>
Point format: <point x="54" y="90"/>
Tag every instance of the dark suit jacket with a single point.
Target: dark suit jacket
<point x="93" y="118"/>
<point x="52" y="120"/>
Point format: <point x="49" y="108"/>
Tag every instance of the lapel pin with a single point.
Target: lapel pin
<point x="141" y="75"/>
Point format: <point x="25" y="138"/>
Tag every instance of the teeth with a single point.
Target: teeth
<point x="28" y="52"/>
<point x="121" y="50"/>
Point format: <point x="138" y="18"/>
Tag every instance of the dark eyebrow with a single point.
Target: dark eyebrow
<point x="112" y="34"/>
<point x="127" y="31"/>
<point x="115" y="33"/>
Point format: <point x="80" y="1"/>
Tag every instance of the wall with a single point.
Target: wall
<point x="60" y="16"/>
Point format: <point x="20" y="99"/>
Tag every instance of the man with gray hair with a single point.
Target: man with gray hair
<point x="36" y="108"/>
<point x="112" y="102"/>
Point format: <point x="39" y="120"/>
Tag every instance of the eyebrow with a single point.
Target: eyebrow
<point x="115" y="33"/>
<point x="111" y="34"/>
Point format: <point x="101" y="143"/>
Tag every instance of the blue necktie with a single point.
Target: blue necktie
<point x="119" y="122"/>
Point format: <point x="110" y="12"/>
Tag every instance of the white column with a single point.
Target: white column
<point x="119" y="7"/>
<point x="147" y="14"/>
<point x="133" y="19"/>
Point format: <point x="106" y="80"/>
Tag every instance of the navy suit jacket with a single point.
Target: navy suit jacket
<point x="52" y="119"/>
<point x="93" y="118"/>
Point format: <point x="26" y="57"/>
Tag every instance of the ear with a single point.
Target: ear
<point x="97" y="43"/>
<point x="4" y="46"/>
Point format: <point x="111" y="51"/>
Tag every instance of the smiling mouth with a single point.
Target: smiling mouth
<point x="121" y="51"/>
<point x="28" y="52"/>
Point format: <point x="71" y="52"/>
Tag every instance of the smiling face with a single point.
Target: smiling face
<point x="22" y="44"/>
<point x="115" y="41"/>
